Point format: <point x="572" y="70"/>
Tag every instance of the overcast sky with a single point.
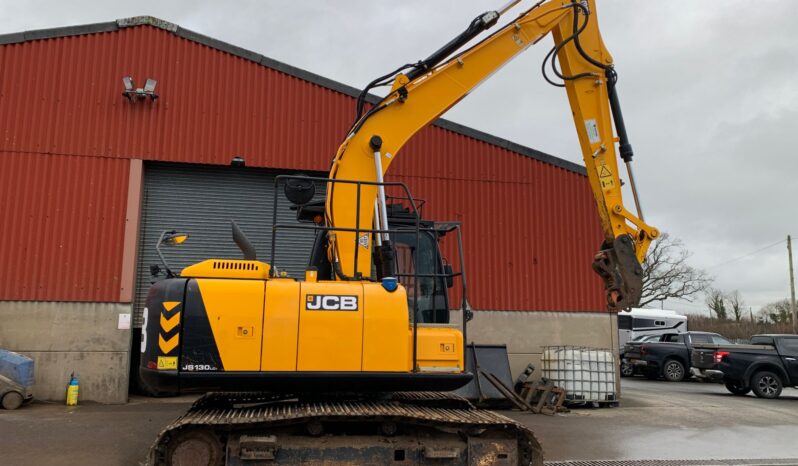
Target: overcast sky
<point x="709" y="93"/>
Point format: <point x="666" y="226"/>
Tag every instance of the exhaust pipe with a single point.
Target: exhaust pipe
<point x="243" y="243"/>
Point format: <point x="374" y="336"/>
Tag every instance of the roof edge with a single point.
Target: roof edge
<point x="54" y="33"/>
<point x="134" y="21"/>
<point x="147" y="21"/>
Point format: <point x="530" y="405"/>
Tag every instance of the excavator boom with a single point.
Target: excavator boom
<point x="432" y="86"/>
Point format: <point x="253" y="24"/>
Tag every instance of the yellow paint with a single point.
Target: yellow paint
<point x="385" y="329"/>
<point x="230" y="305"/>
<point x="330" y="340"/>
<point x="311" y="275"/>
<point x="167" y="345"/>
<point x="374" y="337"/>
<point x="431" y="95"/>
<point x="167" y="362"/>
<point x="168" y="324"/>
<point x="169" y="305"/>
<point x="228" y="268"/>
<point x="605" y="178"/>
<point x="440" y="347"/>
<point x="280" y="325"/>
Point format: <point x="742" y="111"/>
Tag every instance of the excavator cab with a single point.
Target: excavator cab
<point x="418" y="257"/>
<point x="419" y="254"/>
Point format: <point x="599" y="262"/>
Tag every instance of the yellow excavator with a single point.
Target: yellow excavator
<point x="352" y="363"/>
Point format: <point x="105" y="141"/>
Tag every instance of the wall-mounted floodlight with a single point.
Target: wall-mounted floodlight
<point x="129" y="85"/>
<point x="132" y="94"/>
<point x="149" y="87"/>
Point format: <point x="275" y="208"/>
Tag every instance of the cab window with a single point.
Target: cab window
<point x="760" y="340"/>
<point x="679" y="338"/>
<point x="719" y="340"/>
<point x="700" y="338"/>
<point x="789" y="346"/>
<point x="422" y="259"/>
<point x="625" y="322"/>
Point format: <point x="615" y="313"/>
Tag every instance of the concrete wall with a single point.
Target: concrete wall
<point x="526" y="333"/>
<point x="84" y="338"/>
<point x="66" y="337"/>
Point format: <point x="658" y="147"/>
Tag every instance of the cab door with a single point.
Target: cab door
<point x="788" y="348"/>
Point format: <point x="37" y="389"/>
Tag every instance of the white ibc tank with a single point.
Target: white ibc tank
<point x="586" y="374"/>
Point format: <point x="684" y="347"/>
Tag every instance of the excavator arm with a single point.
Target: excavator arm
<point x="428" y="88"/>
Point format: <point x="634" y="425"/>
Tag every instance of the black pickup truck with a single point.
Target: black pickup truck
<point x="767" y="365"/>
<point x="627" y="369"/>
<point x="669" y="357"/>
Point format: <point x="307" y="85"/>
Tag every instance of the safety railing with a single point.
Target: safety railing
<point x="415" y="228"/>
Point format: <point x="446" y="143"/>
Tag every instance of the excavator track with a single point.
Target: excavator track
<point x="399" y="428"/>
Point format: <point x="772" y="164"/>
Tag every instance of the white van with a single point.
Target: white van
<point x="639" y="322"/>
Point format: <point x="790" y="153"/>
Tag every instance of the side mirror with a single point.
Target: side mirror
<point x="168" y="238"/>
<point x="172" y="238"/>
<point x="449" y="272"/>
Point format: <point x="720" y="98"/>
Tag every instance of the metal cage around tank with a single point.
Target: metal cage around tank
<point x="587" y="374"/>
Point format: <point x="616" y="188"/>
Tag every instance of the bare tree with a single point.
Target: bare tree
<point x="736" y="303"/>
<point x="777" y="311"/>
<point x="666" y="273"/>
<point x="716" y="301"/>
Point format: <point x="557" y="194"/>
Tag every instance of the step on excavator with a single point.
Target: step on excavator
<point x="353" y="363"/>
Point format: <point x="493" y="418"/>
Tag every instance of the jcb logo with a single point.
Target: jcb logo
<point x="329" y="302"/>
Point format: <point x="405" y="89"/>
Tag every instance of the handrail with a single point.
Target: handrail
<point x="416" y="228"/>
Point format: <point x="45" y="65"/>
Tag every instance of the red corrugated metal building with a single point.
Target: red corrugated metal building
<point x="74" y="152"/>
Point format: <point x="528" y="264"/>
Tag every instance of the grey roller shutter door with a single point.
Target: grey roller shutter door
<point x="201" y="201"/>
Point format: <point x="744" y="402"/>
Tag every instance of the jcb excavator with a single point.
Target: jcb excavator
<point x="351" y="364"/>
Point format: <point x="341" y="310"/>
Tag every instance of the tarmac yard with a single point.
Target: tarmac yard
<point x="661" y="420"/>
<point x="656" y="421"/>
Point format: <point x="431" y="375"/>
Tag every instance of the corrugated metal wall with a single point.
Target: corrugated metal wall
<point x="212" y="105"/>
<point x="530" y="229"/>
<point x="529" y="226"/>
<point x="62" y="221"/>
<point x="201" y="201"/>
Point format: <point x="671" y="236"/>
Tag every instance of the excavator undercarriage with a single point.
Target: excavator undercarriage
<point x="397" y="428"/>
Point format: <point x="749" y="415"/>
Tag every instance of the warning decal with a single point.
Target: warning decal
<point x="605" y="177"/>
<point x="167" y="362"/>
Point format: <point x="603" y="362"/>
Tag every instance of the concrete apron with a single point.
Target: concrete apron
<point x="526" y="333"/>
<point x="70" y="337"/>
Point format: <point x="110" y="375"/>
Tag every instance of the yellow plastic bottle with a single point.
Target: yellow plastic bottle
<point x="72" y="391"/>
